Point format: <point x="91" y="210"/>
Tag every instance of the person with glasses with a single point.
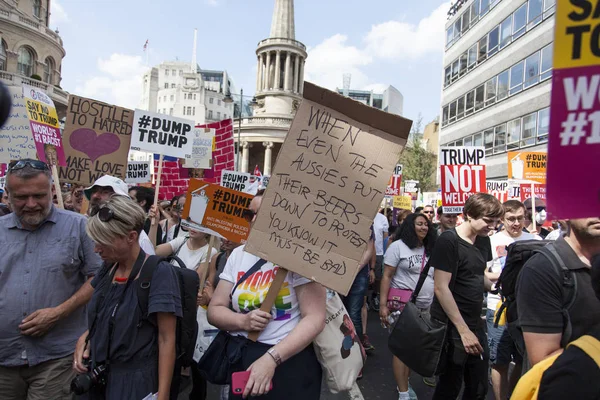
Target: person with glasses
<point x="503" y="350"/>
<point x="77" y="195"/>
<point x="284" y="354"/>
<point x="171" y="226"/>
<point x="46" y="267"/>
<point x="429" y="212"/>
<point x="136" y="352"/>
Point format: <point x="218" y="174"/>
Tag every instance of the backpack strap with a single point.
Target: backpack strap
<point x="143" y="287"/>
<point x="590" y="345"/>
<point x="258" y="265"/>
<point x="176" y="253"/>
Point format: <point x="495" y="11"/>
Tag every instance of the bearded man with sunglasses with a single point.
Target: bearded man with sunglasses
<point x="45" y="271"/>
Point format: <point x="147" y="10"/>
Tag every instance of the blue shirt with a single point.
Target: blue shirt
<point x="41" y="269"/>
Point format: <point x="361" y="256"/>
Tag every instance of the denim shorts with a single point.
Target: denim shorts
<point x="502" y="347"/>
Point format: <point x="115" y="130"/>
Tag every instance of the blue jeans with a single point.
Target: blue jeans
<point x="355" y="299"/>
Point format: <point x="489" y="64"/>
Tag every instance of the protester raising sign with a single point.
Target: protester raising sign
<point x="202" y="149"/>
<point x="216" y="210"/>
<point x="138" y="172"/>
<point x="330" y="177"/>
<point x="239" y="181"/>
<point x="96" y="140"/>
<point x="162" y="134"/>
<point x="463" y="174"/>
<point x="16" y="141"/>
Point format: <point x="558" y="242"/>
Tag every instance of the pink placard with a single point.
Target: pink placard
<point x="48" y="143"/>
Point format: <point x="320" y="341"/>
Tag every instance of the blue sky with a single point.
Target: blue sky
<point x="397" y="42"/>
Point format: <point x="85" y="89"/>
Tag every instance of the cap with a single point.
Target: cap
<point x="118" y="186"/>
<point x="538" y="203"/>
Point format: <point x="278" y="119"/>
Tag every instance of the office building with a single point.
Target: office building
<point x="390" y="100"/>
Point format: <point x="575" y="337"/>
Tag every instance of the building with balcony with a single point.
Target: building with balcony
<point x="497" y="70"/>
<point x="390" y="100"/>
<point x="30" y="52"/>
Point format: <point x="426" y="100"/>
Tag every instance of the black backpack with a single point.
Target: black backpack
<point x="189" y="284"/>
<point x="518" y="253"/>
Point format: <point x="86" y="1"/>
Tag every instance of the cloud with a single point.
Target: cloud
<point x="120" y="81"/>
<point x="212" y="3"/>
<point x="57" y="13"/>
<point x="398" y="40"/>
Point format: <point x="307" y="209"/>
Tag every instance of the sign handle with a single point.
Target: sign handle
<point x="206" y="263"/>
<point x="57" y="187"/>
<point x="271" y="296"/>
<point x="533" y="206"/>
<point x="154" y="224"/>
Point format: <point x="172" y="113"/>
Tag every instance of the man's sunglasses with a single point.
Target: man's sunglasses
<point x="105" y="214"/>
<point x="248" y="214"/>
<point x="540" y="209"/>
<point x="35" y="164"/>
<point x="427" y="212"/>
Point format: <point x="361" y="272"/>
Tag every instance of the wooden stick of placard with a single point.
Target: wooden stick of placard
<point x="154" y="224"/>
<point x="57" y="189"/>
<point x="206" y="264"/>
<point x="267" y="304"/>
<point x="533" y="212"/>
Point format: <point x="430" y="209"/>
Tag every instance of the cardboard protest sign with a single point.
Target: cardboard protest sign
<point x="44" y="126"/>
<point x="403" y="202"/>
<point x="412" y="187"/>
<point x="216" y="210"/>
<point x="162" y="134"/>
<point x="463" y="175"/>
<point x="239" y="181"/>
<point x="16" y="140"/>
<point x="393" y="188"/>
<point x="498" y="189"/>
<point x="326" y="187"/>
<point x="527" y="165"/>
<point x="138" y="172"/>
<point x="202" y="148"/>
<point x="574" y="137"/>
<point x="96" y="141"/>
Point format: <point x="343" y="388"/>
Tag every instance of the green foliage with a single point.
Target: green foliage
<point x="418" y="163"/>
<point x="36" y="77"/>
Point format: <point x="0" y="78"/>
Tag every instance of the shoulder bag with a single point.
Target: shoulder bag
<point x="397" y="298"/>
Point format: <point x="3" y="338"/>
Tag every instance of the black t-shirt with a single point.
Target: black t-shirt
<point x="540" y="295"/>
<point x="574" y="375"/>
<point x="468" y="282"/>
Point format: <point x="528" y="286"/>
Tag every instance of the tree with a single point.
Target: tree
<point x="418" y="163"/>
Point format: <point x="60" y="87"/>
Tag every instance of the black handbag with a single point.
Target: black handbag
<point x="224" y="355"/>
<point x="417" y="340"/>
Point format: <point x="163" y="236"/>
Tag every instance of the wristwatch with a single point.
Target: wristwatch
<point x="276" y="357"/>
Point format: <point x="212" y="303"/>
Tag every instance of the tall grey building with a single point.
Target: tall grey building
<point x="497" y="70"/>
<point x="390" y="100"/>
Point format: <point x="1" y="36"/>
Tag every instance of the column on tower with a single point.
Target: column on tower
<point x="296" y="67"/>
<point x="288" y="65"/>
<point x="268" y="155"/>
<point x="245" y="155"/>
<point x="267" y="83"/>
<point x="277" y="70"/>
<point x="301" y="79"/>
<point x="259" y="72"/>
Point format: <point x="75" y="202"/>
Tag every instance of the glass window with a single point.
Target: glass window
<point x="170" y="111"/>
<point x="445" y="115"/>
<point x="447" y="75"/>
<point x="502" y="92"/>
<point x="460" y="112"/>
<point x="548" y="7"/>
<point x="506" y="32"/>
<point x="529" y="129"/>
<point x="500" y="139"/>
<point x="25" y="62"/>
<point x="218" y="102"/>
<point x="166" y="85"/>
<point x="172" y="86"/>
<point x="516" y="77"/>
<point x="535" y="13"/>
<point x="2" y="56"/>
<point x="546" y="64"/>
<point x="174" y="72"/>
<point x="454" y="70"/>
<point x="172" y="97"/>
<point x="470" y="103"/>
<point x="474" y="11"/>
<point x="472" y="56"/>
<point x="532" y="70"/>
<point x="485" y="7"/>
<point x="458" y="142"/>
<point x="457" y="28"/>
<point x="218" y="115"/>
<point x="478" y="139"/>
<point x="519" y="21"/>
<point x="479" y="95"/>
<point x="543" y="125"/>
<point x="166" y="72"/>
<point x="468" y="141"/>
<point x="211" y="100"/>
<point x="513" y="134"/>
<point x="462" y="69"/>
<point x="37" y="8"/>
<point x="452" y="111"/>
<point x="49" y="70"/>
<point x="482" y="49"/>
<point x="465" y="21"/>
<point x="210" y="114"/>
<point x="449" y="35"/>
<point x="488" y="137"/>
<point x="180" y="72"/>
<point x="490" y="91"/>
<point x="493" y="40"/>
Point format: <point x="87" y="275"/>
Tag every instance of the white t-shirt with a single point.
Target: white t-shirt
<point x="252" y="292"/>
<point x="146" y="244"/>
<point x="191" y="258"/>
<point x="500" y="242"/>
<point x="408" y="263"/>
<point x="380" y="226"/>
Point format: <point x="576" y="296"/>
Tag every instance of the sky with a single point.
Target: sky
<point x="381" y="43"/>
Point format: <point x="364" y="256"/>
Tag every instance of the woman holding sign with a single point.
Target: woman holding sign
<point x="283" y="355"/>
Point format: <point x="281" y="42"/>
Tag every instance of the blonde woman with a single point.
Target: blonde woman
<point x="135" y="355"/>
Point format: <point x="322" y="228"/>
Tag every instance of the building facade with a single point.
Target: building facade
<point x="30" y="52"/>
<point x="390" y="100"/>
<point x="497" y="70"/>
<point x="176" y="88"/>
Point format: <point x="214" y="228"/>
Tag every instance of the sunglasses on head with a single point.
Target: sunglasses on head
<point x="35" y="164"/>
<point x="105" y="214"/>
<point x="248" y="214"/>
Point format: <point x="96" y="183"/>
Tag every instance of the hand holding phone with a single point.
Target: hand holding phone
<point x="239" y="380"/>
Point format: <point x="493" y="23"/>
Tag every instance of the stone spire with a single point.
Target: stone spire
<point x="283" y="20"/>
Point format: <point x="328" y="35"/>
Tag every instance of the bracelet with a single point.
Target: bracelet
<point x="276" y="357"/>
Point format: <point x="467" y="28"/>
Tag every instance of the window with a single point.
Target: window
<point x="482" y="49"/>
<point x="457" y="26"/>
<point x="174" y="72"/>
<point x="479" y="95"/>
<point x="452" y="111"/>
<point x="502" y="91"/>
<point x="193" y="110"/>
<point x="478" y="139"/>
<point x="210" y="114"/>
<point x="166" y="72"/>
<point x="543" y="125"/>
<point x="445" y="111"/>
<point x="485" y="7"/>
<point x="535" y="13"/>
<point x="218" y="102"/>
<point x="465" y="21"/>
<point x="474" y="11"/>
<point x="194" y="96"/>
<point x="37" y="8"/>
<point x="25" y="62"/>
<point x="470" y="103"/>
<point x="516" y="78"/>
<point x="546" y="64"/>
<point x="2" y="56"/>
<point x="172" y="86"/>
<point x="454" y="70"/>
<point x="519" y="21"/>
<point x="500" y="139"/>
<point x="460" y="112"/>
<point x="170" y="111"/>
<point x="549" y="7"/>
<point x="532" y="70"/>
<point x="172" y="97"/>
<point x="490" y="91"/>
<point x="49" y="70"/>
<point x="472" y="56"/>
<point x="506" y="32"/>
<point x="488" y="137"/>
<point x="529" y="129"/>
<point x="458" y="142"/>
<point x="462" y="69"/>
<point x="513" y="134"/>
<point x="449" y="35"/>
<point x="180" y="72"/>
<point x="468" y="141"/>
<point x="447" y="75"/>
<point x="166" y="85"/>
<point x="218" y="115"/>
<point x="493" y="40"/>
<point x="211" y="100"/>
<point x="185" y="96"/>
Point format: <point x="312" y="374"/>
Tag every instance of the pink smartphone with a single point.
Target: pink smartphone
<point x="239" y="381"/>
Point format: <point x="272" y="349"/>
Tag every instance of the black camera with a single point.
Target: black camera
<point x="96" y="377"/>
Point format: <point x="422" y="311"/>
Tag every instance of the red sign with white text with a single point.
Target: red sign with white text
<point x="393" y="188"/>
<point x="525" y="191"/>
<point x="463" y="175"/>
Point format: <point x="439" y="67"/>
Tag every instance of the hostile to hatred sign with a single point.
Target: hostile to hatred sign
<point x="326" y="187"/>
<point x="162" y="134"/>
<point x="462" y="174"/>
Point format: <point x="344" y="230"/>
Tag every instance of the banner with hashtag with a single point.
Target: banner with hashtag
<point x="162" y="134"/>
<point x="574" y="138"/>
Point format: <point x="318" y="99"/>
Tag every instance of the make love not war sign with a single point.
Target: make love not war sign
<point x="574" y="138"/>
<point x="463" y="175"/>
<point x="162" y="134"/>
<point x="96" y="140"/>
